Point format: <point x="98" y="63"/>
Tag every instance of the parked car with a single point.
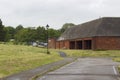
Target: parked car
<point x="34" y="44"/>
<point x="42" y="44"/>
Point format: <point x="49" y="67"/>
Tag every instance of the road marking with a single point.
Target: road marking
<point x="115" y="72"/>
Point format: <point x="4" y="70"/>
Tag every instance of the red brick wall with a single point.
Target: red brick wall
<point x="109" y="43"/>
<point x="112" y="43"/>
<point x="67" y="45"/>
<point x="57" y="45"/>
<point x="62" y="44"/>
<point x="52" y="43"/>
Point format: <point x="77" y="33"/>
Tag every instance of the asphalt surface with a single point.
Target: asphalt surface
<point x="62" y="54"/>
<point x="27" y="75"/>
<point x="85" y="69"/>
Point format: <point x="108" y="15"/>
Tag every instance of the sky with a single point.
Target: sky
<point x="55" y="13"/>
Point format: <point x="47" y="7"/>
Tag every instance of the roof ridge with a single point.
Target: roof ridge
<point x="109" y="17"/>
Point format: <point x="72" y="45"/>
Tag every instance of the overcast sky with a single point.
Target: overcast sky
<point x="55" y="12"/>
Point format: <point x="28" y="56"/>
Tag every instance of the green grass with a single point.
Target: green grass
<point x="114" y="54"/>
<point x="17" y="58"/>
<point x="91" y="53"/>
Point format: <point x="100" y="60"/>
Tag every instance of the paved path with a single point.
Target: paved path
<point x="27" y="75"/>
<point x="85" y="69"/>
<point x="62" y="54"/>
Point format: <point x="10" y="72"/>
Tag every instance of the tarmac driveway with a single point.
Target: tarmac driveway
<point x="86" y="69"/>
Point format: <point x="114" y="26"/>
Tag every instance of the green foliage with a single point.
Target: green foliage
<point x="25" y="35"/>
<point x="91" y="53"/>
<point x="18" y="28"/>
<point x="2" y="32"/>
<point x="54" y="33"/>
<point x="10" y="31"/>
<point x="31" y="35"/>
<point x="41" y="34"/>
<point x="66" y="26"/>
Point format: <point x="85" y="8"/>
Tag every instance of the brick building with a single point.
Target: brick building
<point x="102" y="33"/>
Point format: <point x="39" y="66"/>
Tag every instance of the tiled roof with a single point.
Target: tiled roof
<point x="106" y="26"/>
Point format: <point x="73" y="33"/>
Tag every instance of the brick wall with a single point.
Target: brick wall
<point x="57" y="45"/>
<point x="109" y="43"/>
<point x="52" y="43"/>
<point x="67" y="45"/>
<point x="62" y="45"/>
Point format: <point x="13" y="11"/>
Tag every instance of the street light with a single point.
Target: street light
<point x="47" y="26"/>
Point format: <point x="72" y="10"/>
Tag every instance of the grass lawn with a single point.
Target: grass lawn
<point x="90" y="53"/>
<point x="17" y="58"/>
<point x="114" y="54"/>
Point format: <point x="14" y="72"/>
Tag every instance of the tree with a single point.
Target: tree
<point x="2" y="32"/>
<point x="25" y="35"/>
<point x="10" y="32"/>
<point x="18" y="28"/>
<point x="54" y="33"/>
<point x="66" y="26"/>
<point x="41" y="34"/>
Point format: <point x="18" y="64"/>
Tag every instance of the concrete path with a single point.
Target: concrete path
<point x="27" y="75"/>
<point x="62" y="54"/>
<point x="85" y="69"/>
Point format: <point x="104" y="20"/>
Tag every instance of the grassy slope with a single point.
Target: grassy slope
<point x="16" y="58"/>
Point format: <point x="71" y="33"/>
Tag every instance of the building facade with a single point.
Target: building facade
<point x="102" y="33"/>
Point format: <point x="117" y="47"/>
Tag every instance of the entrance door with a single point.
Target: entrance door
<point x="88" y="44"/>
<point x="79" y="44"/>
<point x="72" y="44"/>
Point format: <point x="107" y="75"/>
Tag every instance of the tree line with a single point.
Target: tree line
<point x="20" y="34"/>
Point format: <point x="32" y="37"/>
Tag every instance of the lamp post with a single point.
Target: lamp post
<point x="47" y="26"/>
